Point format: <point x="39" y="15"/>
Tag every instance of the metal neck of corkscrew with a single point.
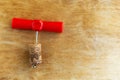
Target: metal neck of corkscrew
<point x="36" y="38"/>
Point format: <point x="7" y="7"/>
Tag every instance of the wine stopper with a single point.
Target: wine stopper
<point x="36" y="25"/>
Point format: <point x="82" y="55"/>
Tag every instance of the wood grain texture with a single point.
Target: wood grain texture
<point x="88" y="49"/>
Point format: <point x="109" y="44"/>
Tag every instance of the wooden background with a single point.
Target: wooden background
<point x="88" y="49"/>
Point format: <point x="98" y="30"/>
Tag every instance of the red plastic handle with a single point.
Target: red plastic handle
<point x="37" y="25"/>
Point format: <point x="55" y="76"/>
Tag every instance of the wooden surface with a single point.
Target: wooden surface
<point x="88" y="49"/>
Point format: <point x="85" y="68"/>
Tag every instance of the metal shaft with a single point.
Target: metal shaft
<point x="36" y="37"/>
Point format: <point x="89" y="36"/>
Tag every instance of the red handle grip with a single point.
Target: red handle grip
<point x="37" y="25"/>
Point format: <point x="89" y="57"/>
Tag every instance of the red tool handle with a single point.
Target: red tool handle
<point x="37" y="25"/>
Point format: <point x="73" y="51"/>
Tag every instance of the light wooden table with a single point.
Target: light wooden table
<point x="88" y="49"/>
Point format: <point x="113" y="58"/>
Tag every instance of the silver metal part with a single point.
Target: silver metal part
<point x="36" y="41"/>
